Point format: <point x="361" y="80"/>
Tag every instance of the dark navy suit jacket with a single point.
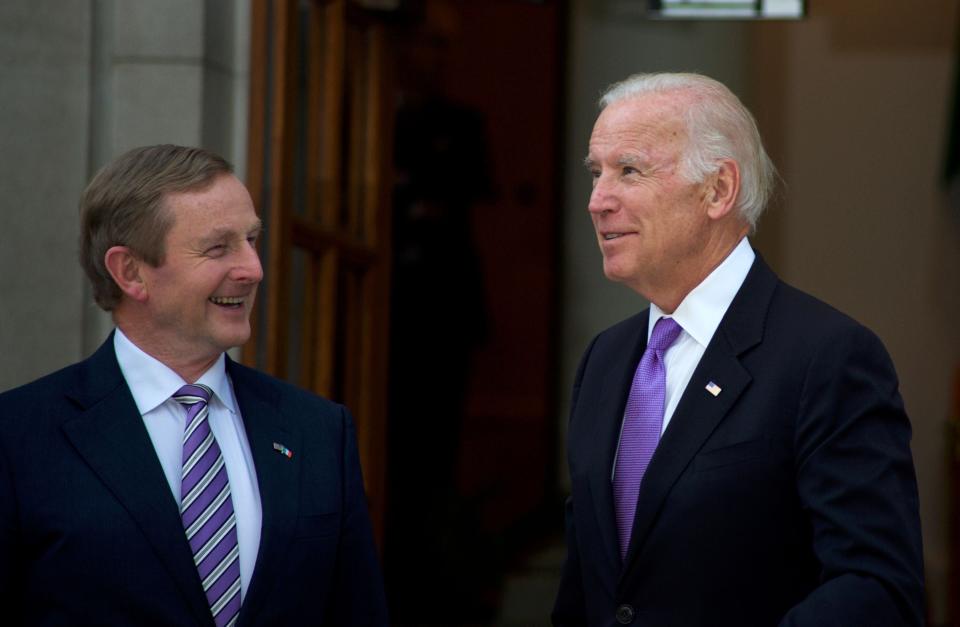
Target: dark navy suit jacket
<point x="90" y="534"/>
<point x="788" y="499"/>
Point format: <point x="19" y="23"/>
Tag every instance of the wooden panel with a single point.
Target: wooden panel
<point x="315" y="135"/>
<point x="310" y="235"/>
<point x="375" y="220"/>
<point x="954" y="568"/>
<point x="280" y="190"/>
<point x="315" y="66"/>
<point x="328" y="265"/>
<point x="311" y="330"/>
<point x="374" y="216"/>
<point x="330" y="20"/>
<point x="256" y="131"/>
<point x="319" y="100"/>
<point x="331" y="112"/>
<point x="356" y="88"/>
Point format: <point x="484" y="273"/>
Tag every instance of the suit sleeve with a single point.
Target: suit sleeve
<point x="11" y="558"/>
<point x="856" y="481"/>
<point x="569" y="608"/>
<point x="8" y="526"/>
<point x="358" y="597"/>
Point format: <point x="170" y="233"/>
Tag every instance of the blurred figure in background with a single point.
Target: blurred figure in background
<point x="438" y="319"/>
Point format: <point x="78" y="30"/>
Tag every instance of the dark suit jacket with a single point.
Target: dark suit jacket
<point x="787" y="499"/>
<point x="90" y="534"/>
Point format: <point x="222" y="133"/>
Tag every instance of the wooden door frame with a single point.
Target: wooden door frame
<point x="346" y="288"/>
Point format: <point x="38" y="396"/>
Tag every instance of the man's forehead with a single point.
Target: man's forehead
<point x="632" y="145"/>
<point x="224" y="208"/>
<point x="642" y="127"/>
<point x="649" y="113"/>
<point x="223" y="189"/>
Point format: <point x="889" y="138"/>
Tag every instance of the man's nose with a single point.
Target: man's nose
<point x="248" y="268"/>
<point x="601" y="198"/>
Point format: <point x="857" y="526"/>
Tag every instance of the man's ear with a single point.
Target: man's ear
<point x="722" y="189"/>
<point x="124" y="267"/>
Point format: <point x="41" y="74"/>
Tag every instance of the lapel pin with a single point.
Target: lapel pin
<point x="712" y="387"/>
<point x="283" y="450"/>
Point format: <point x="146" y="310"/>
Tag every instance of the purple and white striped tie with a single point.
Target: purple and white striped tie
<point x="642" y="422"/>
<point x="207" y="509"/>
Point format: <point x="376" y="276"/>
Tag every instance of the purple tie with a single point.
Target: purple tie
<point x="207" y="509"/>
<point x="643" y="419"/>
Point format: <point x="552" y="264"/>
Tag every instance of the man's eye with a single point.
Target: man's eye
<point x="627" y="170"/>
<point x="216" y="250"/>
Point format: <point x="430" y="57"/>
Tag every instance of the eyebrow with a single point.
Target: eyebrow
<point x="627" y="159"/>
<point x="221" y="232"/>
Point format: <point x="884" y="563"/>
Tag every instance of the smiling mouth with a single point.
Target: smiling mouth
<point x="232" y="302"/>
<point x="609" y="236"/>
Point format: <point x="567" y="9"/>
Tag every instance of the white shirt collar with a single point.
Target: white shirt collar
<point x="152" y="383"/>
<point x="703" y="308"/>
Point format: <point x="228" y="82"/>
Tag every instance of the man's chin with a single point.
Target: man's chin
<point x="615" y="273"/>
<point x="234" y="339"/>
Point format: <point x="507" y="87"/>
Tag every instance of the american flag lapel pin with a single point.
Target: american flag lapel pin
<point x="283" y="450"/>
<point x="713" y="388"/>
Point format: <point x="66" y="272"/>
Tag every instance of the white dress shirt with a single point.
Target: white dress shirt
<point x="152" y="385"/>
<point x="699" y="315"/>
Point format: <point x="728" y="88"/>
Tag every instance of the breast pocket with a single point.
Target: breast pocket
<point x="318" y="525"/>
<point x="730" y="455"/>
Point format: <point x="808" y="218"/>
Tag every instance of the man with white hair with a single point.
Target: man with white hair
<point x="739" y="452"/>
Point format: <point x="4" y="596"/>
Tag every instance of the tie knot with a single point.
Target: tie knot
<point x="665" y="333"/>
<point x="191" y="394"/>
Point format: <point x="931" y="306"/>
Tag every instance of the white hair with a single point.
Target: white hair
<point x="719" y="127"/>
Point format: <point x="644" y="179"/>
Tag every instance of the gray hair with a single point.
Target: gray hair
<point x="124" y="206"/>
<point x="718" y="127"/>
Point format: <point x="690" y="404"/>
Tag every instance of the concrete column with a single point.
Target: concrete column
<point x="44" y="110"/>
<point x="81" y="82"/>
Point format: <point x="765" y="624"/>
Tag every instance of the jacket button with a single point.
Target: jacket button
<point x="625" y="614"/>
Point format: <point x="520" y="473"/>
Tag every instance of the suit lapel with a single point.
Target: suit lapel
<point x="699" y="412"/>
<point x="277" y="478"/>
<point x="695" y="418"/>
<point x="110" y="436"/>
<point x="613" y="400"/>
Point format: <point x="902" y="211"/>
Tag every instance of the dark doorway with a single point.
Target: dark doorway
<point x="471" y="418"/>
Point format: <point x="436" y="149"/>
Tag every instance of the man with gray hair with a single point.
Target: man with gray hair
<point x="739" y="452"/>
<point x="158" y="482"/>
